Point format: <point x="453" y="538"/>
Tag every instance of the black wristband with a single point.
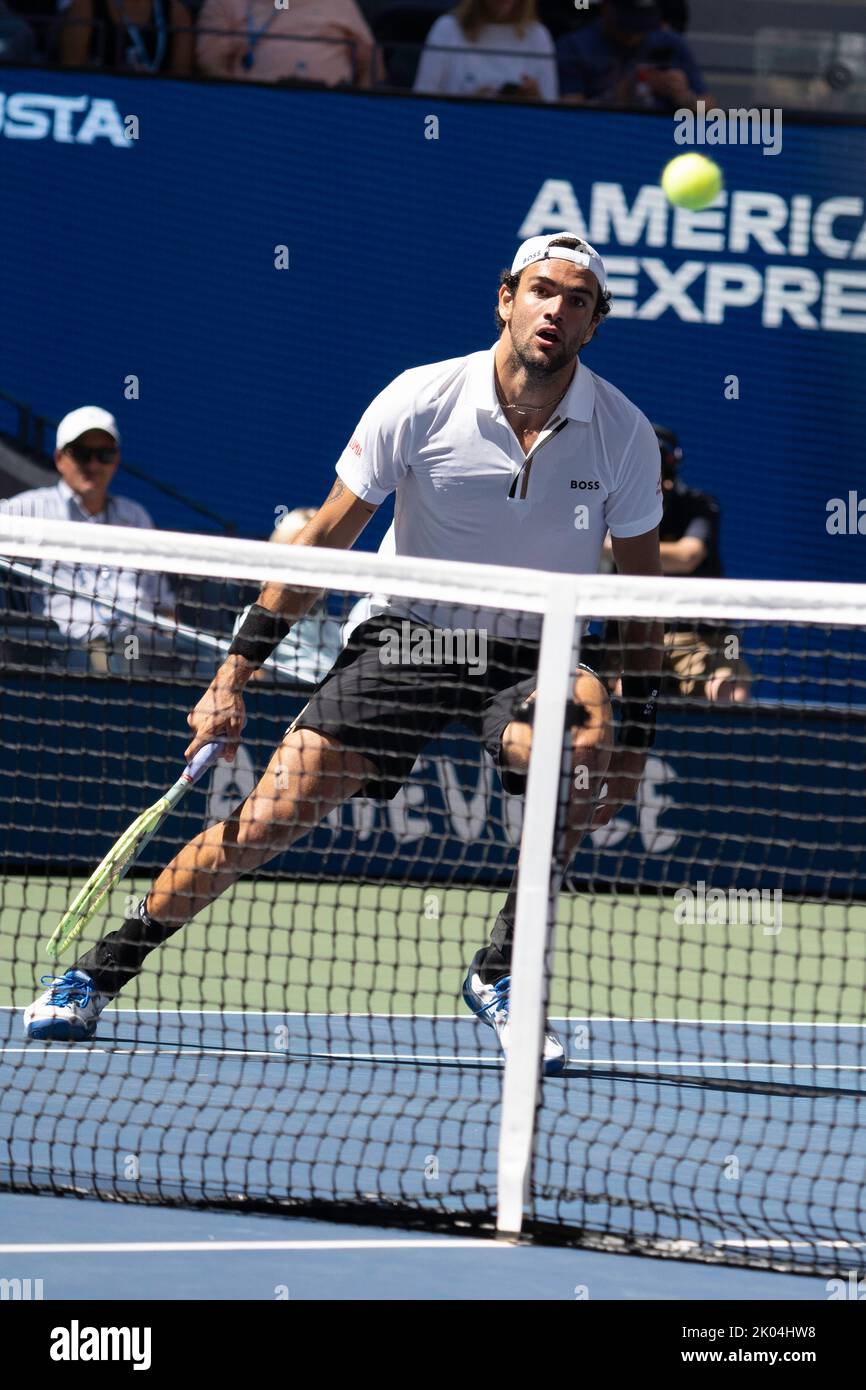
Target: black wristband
<point x="258" y="636"/>
<point x="637" y="727"/>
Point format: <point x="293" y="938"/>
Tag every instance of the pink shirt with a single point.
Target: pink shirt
<point x="319" y="40"/>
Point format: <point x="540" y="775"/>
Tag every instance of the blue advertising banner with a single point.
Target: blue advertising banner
<point x="236" y="271"/>
<point x="729" y="799"/>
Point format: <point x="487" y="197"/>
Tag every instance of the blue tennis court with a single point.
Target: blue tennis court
<point x="716" y="1138"/>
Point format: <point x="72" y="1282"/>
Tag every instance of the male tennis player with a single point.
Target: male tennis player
<point x="516" y="455"/>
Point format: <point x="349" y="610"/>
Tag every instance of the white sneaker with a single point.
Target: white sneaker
<point x="490" y="1004"/>
<point x="68" y="1011"/>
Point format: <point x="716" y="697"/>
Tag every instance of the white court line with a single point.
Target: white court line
<point x="467" y="1018"/>
<point x="81" y="1050"/>
<point x="75" y="1049"/>
<point x="159" y="1247"/>
<point x="260" y="1013"/>
<point x="709" y="1062"/>
<point x="155" y="1247"/>
<point x="475" y="1059"/>
<point x="789" y="1244"/>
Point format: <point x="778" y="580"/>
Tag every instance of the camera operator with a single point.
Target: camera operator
<point x="702" y="659"/>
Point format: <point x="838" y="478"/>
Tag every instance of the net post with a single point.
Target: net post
<point x="536" y="895"/>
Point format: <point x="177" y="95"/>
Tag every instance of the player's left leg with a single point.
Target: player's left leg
<point x="486" y="989"/>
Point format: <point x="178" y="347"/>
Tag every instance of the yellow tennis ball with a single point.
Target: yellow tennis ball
<point x="692" y="181"/>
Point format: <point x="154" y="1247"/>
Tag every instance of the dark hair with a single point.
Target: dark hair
<point x="602" y="303"/>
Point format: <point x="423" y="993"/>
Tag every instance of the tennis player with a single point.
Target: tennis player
<point x="514" y="455"/>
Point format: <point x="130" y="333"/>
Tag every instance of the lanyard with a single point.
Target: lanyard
<point x="253" y="36"/>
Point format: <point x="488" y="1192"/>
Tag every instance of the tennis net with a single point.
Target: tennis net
<point x="302" y="1044"/>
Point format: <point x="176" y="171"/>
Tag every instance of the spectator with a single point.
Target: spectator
<point x="139" y="35"/>
<point x="324" y="41"/>
<point x="626" y="58"/>
<point x="488" y="48"/>
<point x="310" y="648"/>
<point x="700" y="658"/>
<point x="17" y="40"/>
<point x="87" y="457"/>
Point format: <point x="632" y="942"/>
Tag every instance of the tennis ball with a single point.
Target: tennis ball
<point x="692" y="181"/>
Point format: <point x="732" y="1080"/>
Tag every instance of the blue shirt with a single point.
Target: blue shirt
<point x="590" y="64"/>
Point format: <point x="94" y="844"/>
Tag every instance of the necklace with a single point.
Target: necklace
<point x="526" y="409"/>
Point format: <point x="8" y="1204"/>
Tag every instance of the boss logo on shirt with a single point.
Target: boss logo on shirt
<point x="585" y="484"/>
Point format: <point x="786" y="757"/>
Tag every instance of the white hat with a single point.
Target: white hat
<point x="538" y="248"/>
<point x="86" y="417"/>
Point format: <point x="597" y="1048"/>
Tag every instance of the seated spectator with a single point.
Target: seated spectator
<point x="310" y="648"/>
<point x="136" y="35"/>
<point x="701" y="659"/>
<point x="311" y="41"/>
<point x="17" y="40"/>
<point x="626" y="58"/>
<point x="488" y="48"/>
<point x="82" y="600"/>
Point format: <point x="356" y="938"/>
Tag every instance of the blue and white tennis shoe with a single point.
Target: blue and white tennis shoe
<point x="490" y="1004"/>
<point x="68" y="1011"/>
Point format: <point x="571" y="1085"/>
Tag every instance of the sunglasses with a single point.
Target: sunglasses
<point x="83" y="454"/>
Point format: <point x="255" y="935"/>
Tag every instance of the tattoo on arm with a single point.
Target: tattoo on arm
<point x="339" y="490"/>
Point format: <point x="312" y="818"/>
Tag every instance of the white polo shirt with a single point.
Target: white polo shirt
<point x="465" y="490"/>
<point x="499" y="54"/>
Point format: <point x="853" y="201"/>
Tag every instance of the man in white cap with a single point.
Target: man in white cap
<point x="85" y="601"/>
<point x="515" y="455"/>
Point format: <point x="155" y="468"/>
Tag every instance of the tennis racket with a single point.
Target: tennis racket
<point x="124" y="853"/>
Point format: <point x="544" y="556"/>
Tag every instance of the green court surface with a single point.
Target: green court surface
<point x="365" y="948"/>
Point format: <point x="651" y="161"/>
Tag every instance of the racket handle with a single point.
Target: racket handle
<point x="203" y="759"/>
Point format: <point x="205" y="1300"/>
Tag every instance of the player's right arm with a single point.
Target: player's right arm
<point x="337" y="524"/>
<point x="220" y="712"/>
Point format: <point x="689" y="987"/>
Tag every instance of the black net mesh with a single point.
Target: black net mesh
<point x="303" y="1041"/>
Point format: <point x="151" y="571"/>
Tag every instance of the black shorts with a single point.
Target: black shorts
<point x="389" y="711"/>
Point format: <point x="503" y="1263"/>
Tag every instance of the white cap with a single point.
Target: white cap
<point x="538" y="248"/>
<point x="86" y="417"/>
